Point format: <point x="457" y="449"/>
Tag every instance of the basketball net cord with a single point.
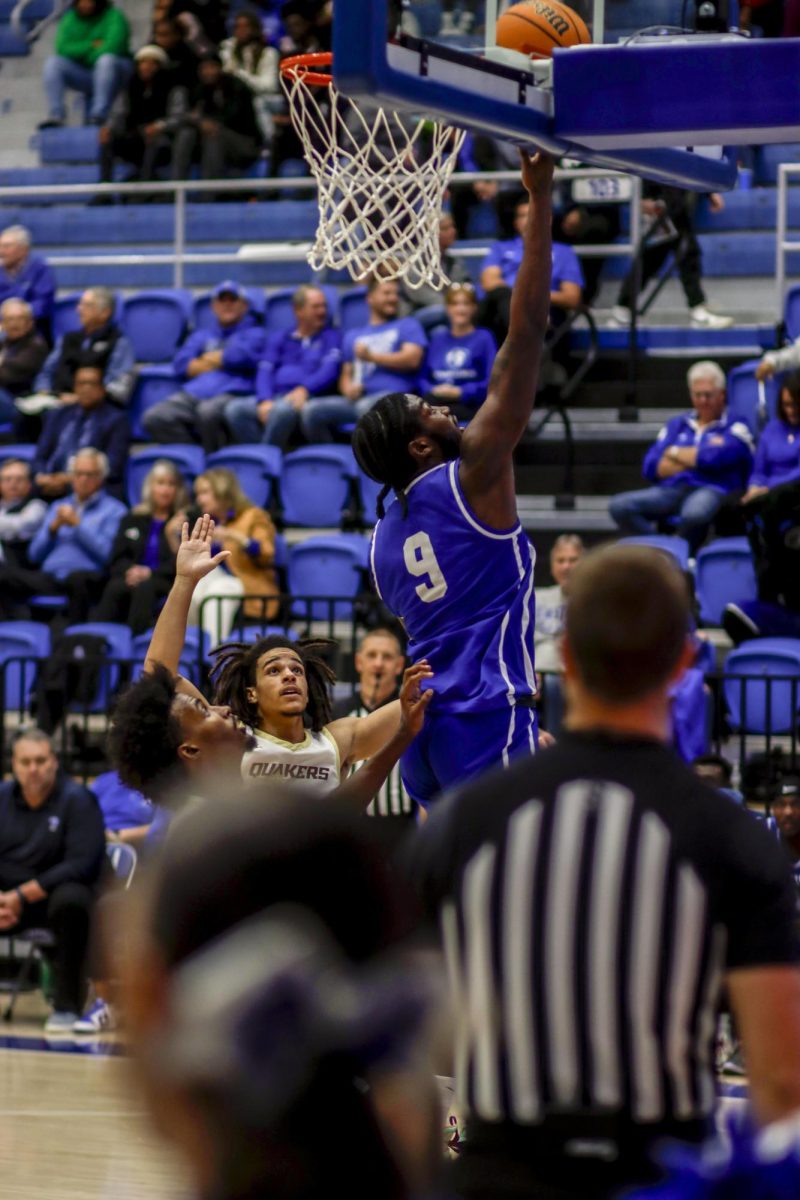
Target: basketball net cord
<point x="380" y="192"/>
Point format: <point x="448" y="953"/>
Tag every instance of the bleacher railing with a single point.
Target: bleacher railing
<point x="608" y="190"/>
<point x="784" y="245"/>
<point x="80" y="740"/>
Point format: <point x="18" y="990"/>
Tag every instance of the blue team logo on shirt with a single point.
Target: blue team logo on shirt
<point x="456" y="358"/>
<point x="53" y="824"/>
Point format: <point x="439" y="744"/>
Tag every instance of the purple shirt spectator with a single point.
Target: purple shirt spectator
<point x="777" y="455"/>
<point x="507" y="255"/>
<point x="464" y="361"/>
<point x="385" y="338"/>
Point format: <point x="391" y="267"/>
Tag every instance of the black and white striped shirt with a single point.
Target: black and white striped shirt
<point x="590" y="901"/>
<point x="392" y="800"/>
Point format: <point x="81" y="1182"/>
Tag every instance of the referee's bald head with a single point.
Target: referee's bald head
<point x="627" y="623"/>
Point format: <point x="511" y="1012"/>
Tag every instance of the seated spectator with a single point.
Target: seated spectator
<point x="71" y="549"/>
<point x="203" y="22"/>
<point x="52" y="852"/>
<point x="715" y="769"/>
<point x="91" y="421"/>
<point x="383" y="356"/>
<point x="304" y="35"/>
<point x="247" y="56"/>
<point x="181" y="59"/>
<point x="135" y="132"/>
<point x="142" y="562"/>
<point x="778" y="451"/>
<point x="26" y="276"/>
<point x="298" y="365"/>
<point x="480" y="152"/>
<point x="698" y="461"/>
<point x="551" y="602"/>
<point x="215" y="365"/>
<point x="92" y="56"/>
<point x="582" y="224"/>
<point x="98" y="343"/>
<point x="23" y="351"/>
<point x="500" y="269"/>
<point x="220" y="130"/>
<point x="248" y="532"/>
<point x="427" y="303"/>
<point x="460" y="358"/>
<point x="784" y="821"/>
<point x="21" y="513"/>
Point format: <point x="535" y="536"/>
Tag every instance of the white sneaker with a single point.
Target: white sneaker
<point x="100" y="1018"/>
<point x="620" y="316"/>
<point x="448" y="27"/>
<point x="466" y="21"/>
<point x="39" y="402"/>
<point x="704" y="318"/>
<point x="60" y="1022"/>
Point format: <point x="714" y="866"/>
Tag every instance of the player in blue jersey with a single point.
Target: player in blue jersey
<point x="449" y="556"/>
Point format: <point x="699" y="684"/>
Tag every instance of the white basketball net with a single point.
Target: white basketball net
<point x="379" y="203"/>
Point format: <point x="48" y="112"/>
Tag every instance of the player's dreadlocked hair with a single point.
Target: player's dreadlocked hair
<point x="380" y="444"/>
<point x="144" y="735"/>
<point x="234" y="671"/>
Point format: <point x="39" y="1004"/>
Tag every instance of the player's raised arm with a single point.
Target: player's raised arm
<point x="486" y="472"/>
<point x="194" y="561"/>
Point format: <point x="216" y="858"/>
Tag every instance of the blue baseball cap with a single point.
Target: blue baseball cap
<point x="229" y="287"/>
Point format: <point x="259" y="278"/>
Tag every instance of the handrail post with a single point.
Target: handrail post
<point x="780" y="253"/>
<point x="179" y="239"/>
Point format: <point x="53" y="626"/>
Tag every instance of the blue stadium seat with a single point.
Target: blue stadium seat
<point x="155" y="323"/>
<point x="724" y="572"/>
<point x="120" y="805"/>
<point x="21" y="639"/>
<point x="153" y="384"/>
<point x="190" y="461"/>
<point x="258" y="468"/>
<point x="252" y="633"/>
<point x="326" y="566"/>
<point x="196" y="645"/>
<point x="25" y="450"/>
<point x="280" y="314"/>
<point x="791" y="312"/>
<point x="71" y="144"/>
<point x="202" y="315"/>
<point x="12" y="44"/>
<point x="743" y="395"/>
<point x="755" y="706"/>
<point x="677" y="547"/>
<point x="353" y="310"/>
<point x="368" y="492"/>
<point x="119" y="644"/>
<point x="316" y="484"/>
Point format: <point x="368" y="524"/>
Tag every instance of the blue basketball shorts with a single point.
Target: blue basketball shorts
<point x="455" y="747"/>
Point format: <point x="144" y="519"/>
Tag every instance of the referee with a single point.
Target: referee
<point x="379" y="663"/>
<point x="593" y="901"/>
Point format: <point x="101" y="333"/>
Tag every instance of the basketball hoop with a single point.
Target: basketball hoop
<point x="381" y="179"/>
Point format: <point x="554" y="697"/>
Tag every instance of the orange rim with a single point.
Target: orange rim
<point x="304" y="67"/>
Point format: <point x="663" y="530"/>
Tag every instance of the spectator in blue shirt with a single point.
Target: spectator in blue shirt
<point x="70" y="552"/>
<point x="91" y="421"/>
<point x="26" y="276"/>
<point x="697" y="461"/>
<point x="298" y="365"/>
<point x="778" y="453"/>
<point x="214" y="364"/>
<point x="460" y="357"/>
<point x="383" y="356"/>
<point x="500" y="269"/>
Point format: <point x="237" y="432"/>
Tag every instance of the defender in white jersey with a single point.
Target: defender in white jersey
<point x="449" y="556"/>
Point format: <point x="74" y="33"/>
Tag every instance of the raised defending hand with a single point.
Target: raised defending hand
<point x="537" y="172"/>
<point x="414" y="702"/>
<point x="194" y="553"/>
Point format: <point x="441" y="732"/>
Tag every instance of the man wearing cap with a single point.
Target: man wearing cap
<point x="784" y="821"/>
<point x="214" y="364"/>
<point x="137" y="129"/>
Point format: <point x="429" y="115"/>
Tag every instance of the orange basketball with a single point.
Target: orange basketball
<point x="537" y="27"/>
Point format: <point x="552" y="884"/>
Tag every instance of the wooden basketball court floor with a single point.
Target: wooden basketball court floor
<point x="72" y="1126"/>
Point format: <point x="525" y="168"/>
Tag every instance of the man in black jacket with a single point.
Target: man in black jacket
<point x="91" y="421"/>
<point x="136" y="131"/>
<point x="52" y="851"/>
<point x="220" y="130"/>
<point x="22" y="354"/>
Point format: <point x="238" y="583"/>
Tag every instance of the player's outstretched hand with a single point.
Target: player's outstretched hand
<point x="194" y="553"/>
<point x="413" y="701"/>
<point x="537" y="172"/>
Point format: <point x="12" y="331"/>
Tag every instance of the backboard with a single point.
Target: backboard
<point x="644" y="97"/>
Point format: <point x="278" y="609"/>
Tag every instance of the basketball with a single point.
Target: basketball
<point x="537" y="27"/>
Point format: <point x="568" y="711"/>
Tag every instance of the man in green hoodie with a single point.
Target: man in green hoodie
<point x="92" y="57"/>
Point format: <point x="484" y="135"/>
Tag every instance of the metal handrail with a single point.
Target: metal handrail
<point x="18" y="12"/>
<point x="283" y="251"/>
<point x="783" y="245"/>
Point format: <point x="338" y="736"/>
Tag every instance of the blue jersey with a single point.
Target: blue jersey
<point x="464" y="593"/>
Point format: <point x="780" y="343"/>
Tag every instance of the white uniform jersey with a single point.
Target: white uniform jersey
<point x="313" y="763"/>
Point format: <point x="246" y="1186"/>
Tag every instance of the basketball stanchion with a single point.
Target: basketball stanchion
<point x="381" y="178"/>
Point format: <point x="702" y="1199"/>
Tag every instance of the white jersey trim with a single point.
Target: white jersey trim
<point x="468" y="516"/>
